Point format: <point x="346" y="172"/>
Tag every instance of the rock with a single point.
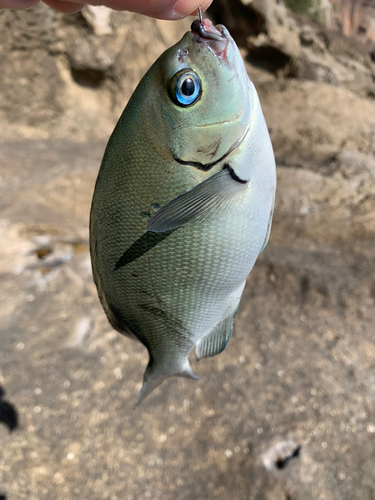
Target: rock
<point x="325" y="153"/>
<point x="351" y="164"/>
<point x="295" y="46"/>
<point x="88" y="62"/>
<point x="327" y="56"/>
<point x="309" y="38"/>
<point x="269" y="33"/>
<point x="327" y="209"/>
<point x="99" y="18"/>
<point x="279" y="455"/>
<point x="275" y="50"/>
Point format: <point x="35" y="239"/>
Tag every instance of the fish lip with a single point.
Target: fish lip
<point x="217" y="37"/>
<point x="207" y="30"/>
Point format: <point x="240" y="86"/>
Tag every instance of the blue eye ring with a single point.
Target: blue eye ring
<point x="185" y="88"/>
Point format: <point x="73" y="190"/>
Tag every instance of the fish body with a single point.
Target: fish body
<point x="183" y="203"/>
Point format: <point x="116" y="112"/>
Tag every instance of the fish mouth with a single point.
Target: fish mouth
<point x="215" y="37"/>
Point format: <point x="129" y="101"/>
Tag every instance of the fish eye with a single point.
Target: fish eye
<point x="185" y="88"/>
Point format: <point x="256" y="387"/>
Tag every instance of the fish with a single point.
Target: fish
<point x="183" y="203"/>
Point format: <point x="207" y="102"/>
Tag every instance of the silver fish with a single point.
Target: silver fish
<point x="183" y="203"/>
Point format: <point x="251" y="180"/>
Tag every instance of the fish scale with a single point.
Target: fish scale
<point x="183" y="204"/>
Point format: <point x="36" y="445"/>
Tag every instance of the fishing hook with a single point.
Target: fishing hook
<point x="200" y="18"/>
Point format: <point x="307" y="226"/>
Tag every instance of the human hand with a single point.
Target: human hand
<point x="161" y="9"/>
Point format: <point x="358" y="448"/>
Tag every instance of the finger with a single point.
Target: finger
<point x="17" y="4"/>
<point x="187" y="7"/>
<point x="63" y="6"/>
<point x="162" y="9"/>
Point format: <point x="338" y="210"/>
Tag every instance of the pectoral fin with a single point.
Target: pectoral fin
<point x="206" y="200"/>
<point x="216" y="341"/>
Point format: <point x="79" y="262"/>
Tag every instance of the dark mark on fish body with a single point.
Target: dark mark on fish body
<point x="155" y="311"/>
<point x="126" y="326"/>
<point x="183" y="336"/>
<point x="234" y="176"/>
<point x="211" y="149"/>
<point x="207" y="166"/>
<point x="140" y="247"/>
<point x="182" y="55"/>
<point x="200" y="166"/>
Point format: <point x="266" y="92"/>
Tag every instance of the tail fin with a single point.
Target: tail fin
<point x="156" y="374"/>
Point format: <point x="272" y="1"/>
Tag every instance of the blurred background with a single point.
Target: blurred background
<point x="287" y="411"/>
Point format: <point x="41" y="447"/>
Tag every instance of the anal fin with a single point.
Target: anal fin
<point x="215" y="341"/>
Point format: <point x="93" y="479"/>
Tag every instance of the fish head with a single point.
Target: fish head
<point x="201" y="97"/>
